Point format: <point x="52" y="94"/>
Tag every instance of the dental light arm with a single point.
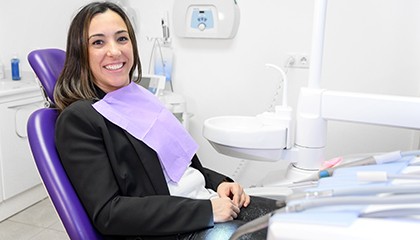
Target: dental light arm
<point x="316" y="106"/>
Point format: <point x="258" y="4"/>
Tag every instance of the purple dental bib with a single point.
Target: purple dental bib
<point x="141" y="114"/>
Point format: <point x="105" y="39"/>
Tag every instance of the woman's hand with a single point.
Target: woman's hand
<point x="235" y="192"/>
<point x="224" y="209"/>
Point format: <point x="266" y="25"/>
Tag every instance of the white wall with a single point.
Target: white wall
<point x="27" y="25"/>
<point x="371" y="46"/>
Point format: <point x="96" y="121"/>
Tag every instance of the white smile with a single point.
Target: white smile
<point x="114" y="66"/>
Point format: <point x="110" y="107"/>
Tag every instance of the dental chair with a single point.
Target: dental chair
<point x="47" y="65"/>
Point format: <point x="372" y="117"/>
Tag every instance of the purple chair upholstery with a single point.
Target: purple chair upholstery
<point x="47" y="65"/>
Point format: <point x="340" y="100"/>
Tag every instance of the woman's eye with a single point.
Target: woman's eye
<point x="123" y="39"/>
<point x="97" y="42"/>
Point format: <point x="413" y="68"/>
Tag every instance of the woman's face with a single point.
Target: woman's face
<point x="110" y="51"/>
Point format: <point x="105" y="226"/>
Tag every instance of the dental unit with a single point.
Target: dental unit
<point x="268" y="136"/>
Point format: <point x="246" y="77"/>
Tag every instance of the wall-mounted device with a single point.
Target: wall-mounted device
<point x="206" y="18"/>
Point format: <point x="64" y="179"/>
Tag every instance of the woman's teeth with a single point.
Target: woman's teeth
<point x="114" y="66"/>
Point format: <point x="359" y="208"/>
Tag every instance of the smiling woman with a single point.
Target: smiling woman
<point x="110" y="51"/>
<point x="106" y="34"/>
<point x="131" y="162"/>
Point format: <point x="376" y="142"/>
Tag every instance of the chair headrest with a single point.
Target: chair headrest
<point x="47" y="65"/>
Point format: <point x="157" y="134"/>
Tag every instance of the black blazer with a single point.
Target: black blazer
<point x="120" y="181"/>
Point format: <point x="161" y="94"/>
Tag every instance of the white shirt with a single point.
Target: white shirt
<point x="191" y="185"/>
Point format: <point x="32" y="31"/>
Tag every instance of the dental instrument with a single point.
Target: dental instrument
<point x="382" y="176"/>
<point x="371" y="160"/>
<point x="359" y="190"/>
<point x="165" y="30"/>
<point x="285" y="82"/>
<point x="351" y="200"/>
<point x="388" y="213"/>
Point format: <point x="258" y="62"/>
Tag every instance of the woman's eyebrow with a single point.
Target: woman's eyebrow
<point x="121" y="31"/>
<point x="102" y="35"/>
<point x="96" y="35"/>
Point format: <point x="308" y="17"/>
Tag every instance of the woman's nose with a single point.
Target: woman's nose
<point x="113" y="50"/>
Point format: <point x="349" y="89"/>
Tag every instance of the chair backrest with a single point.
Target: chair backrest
<point x="47" y="65"/>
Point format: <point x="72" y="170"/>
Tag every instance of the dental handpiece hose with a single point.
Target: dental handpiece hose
<point x="371" y="160"/>
<point x="362" y="162"/>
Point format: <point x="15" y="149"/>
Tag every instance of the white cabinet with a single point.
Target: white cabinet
<point x="20" y="184"/>
<point x="18" y="168"/>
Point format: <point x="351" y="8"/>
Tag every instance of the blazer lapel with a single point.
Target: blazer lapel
<point x="152" y="165"/>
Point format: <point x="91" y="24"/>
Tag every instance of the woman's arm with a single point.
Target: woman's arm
<point x="213" y="178"/>
<point x="226" y="188"/>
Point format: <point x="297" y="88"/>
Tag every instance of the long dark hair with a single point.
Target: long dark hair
<point x="76" y="79"/>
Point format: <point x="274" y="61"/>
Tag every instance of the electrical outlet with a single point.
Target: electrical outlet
<point x="297" y="61"/>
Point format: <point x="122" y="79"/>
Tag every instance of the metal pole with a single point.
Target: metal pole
<point x="320" y="10"/>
